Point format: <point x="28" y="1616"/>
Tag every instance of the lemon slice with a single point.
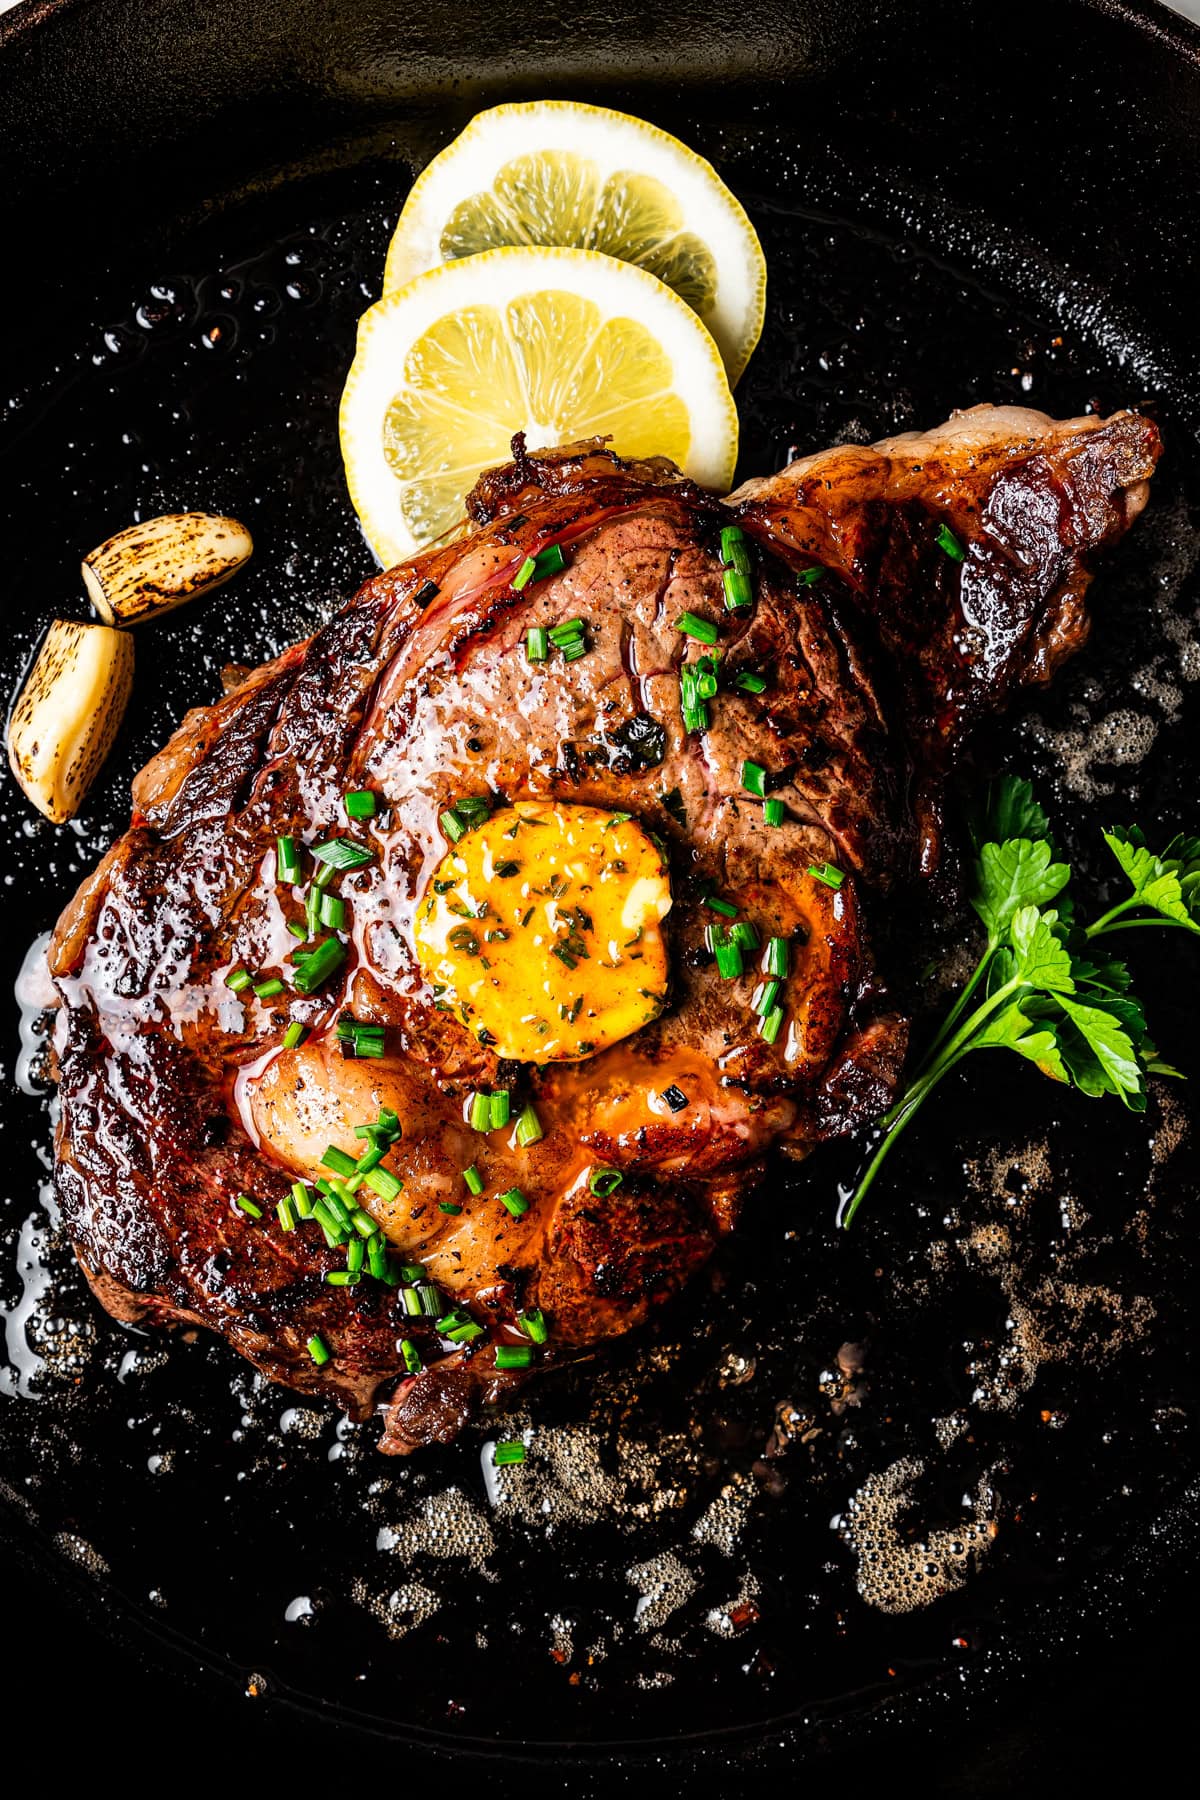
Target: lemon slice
<point x="559" y="344"/>
<point x="555" y="172"/>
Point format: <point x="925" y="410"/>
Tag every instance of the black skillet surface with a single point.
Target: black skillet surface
<point x="955" y="206"/>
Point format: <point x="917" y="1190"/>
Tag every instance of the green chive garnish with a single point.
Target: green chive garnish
<point x="734" y="553"/>
<point x="411" y="1302"/>
<point x="605" y="1181"/>
<point x="738" y="591"/>
<point x="267" y="989"/>
<point x="529" y="1128"/>
<point x="831" y="876"/>
<point x="743" y="934"/>
<point x="452" y="826"/>
<point x="342" y="853"/>
<point x="514" y="1356"/>
<point x="343" y="1278"/>
<point x="947" y="541"/>
<point x="359" y="804"/>
<point x="287" y="861"/>
<point x="693" y="626"/>
<point x="295" y="1034"/>
<point x="377" y="1260"/>
<point x="566" y="633"/>
<point x="247" y="1205"/>
<point x="383" y="1183"/>
<point x="749" y="681"/>
<point x="714" y="904"/>
<point x="537" y="646"/>
<point x="506" y="1456"/>
<point x="363" y="1223"/>
<point x="499" y="1110"/>
<point x="332" y="912"/>
<point x="238" y="979"/>
<point x="754" y="779"/>
<point x="766" y="997"/>
<point x="356" y="1252"/>
<point x="809" y="577"/>
<point x="473" y="1178"/>
<point x="773" y="812"/>
<point x="524" y="574"/>
<point x="550" y="560"/>
<point x="315" y="967"/>
<point x="777" y="956"/>
<point x="533" y="1323"/>
<point x="338" y="1161"/>
<point x="411" y="1355"/>
<point x="302" y="1200"/>
<point x="317" y="1349"/>
<point x="515" y="1201"/>
<point x="769" y="1027"/>
<point x="285" y="1213"/>
<point x="449" y="1206"/>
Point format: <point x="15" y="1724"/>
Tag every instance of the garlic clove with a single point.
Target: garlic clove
<point x="66" y="717"/>
<point x="151" y="568"/>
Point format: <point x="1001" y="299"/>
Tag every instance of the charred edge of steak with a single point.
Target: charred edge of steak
<point x="566" y="471"/>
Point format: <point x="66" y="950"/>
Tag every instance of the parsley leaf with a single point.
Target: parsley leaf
<point x="1006" y="810"/>
<point x="1016" y="873"/>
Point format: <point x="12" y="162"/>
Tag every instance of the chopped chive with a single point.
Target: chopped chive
<point x="324" y="875"/>
<point x="317" y="1349"/>
<point x="754" y="779"/>
<point x="506" y="1456"/>
<point x="550" y="560"/>
<point x="431" y="1300"/>
<point x="449" y="1206"/>
<point x="481" y="1112"/>
<point x="605" y="1182"/>
<point x="743" y="934"/>
<point x="738" y="591"/>
<point x="295" y="1034"/>
<point x="749" y="681"/>
<point x="335" y="1234"/>
<point x="707" y="678"/>
<point x="411" y="1302"/>
<point x="363" y="1223"/>
<point x="537" y="647"/>
<point x="773" y="812"/>
<point x="452" y="826"/>
<point x="533" y="1323"/>
<point x="473" y="808"/>
<point x="391" y="1273"/>
<point x="572" y="651"/>
<point x="693" y="626"/>
<point x="473" y="1179"/>
<point x="777" y="956"/>
<point x="312" y="908"/>
<point x="714" y="904"/>
<point x="524" y="574"/>
<point x="285" y="1213"/>
<point x="287" y="861"/>
<point x="377" y="1259"/>
<point x="237" y="979"/>
<point x="831" y="876"/>
<point x="297" y="929"/>
<point x="337" y="1209"/>
<point x="412" y="1271"/>
<point x="411" y="1355"/>
<point x="337" y="1160"/>
<point x="267" y="989"/>
<point x="343" y="1278"/>
<point x="770" y="1024"/>
<point x="342" y="853"/>
<point x="675" y="1098"/>
<point x="465" y="1334"/>
<point x="515" y="1201"/>
<point x="565" y="632"/>
<point x="809" y="577"/>
<point x="319" y="964"/>
<point x="733" y="548"/>
<point x="729" y="960"/>
<point x="332" y="912"/>
<point x="947" y="541"/>
<point x="452" y="1320"/>
<point x="766" y="996"/>
<point x="359" y="803"/>
<point x="529" y="1128"/>
<point x="247" y="1205"/>
<point x="514" y="1356"/>
<point x="302" y="1200"/>
<point x="383" y="1183"/>
<point x="499" y="1109"/>
<point x="356" y="1252"/>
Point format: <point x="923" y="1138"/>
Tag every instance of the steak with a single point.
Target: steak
<point x="899" y="593"/>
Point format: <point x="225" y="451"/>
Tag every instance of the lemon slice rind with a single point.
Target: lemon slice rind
<point x="497" y="279"/>
<point x="614" y="142"/>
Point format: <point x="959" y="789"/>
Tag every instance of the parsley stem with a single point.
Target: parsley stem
<point x="1100" y="929"/>
<point x="956" y="1011"/>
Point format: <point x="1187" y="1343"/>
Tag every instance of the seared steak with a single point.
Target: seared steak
<point x="898" y="593"/>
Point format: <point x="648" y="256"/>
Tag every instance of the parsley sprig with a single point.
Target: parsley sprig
<point x="1042" y="987"/>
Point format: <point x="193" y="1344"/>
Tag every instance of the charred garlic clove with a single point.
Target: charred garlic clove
<point x="151" y="568"/>
<point x="64" y="723"/>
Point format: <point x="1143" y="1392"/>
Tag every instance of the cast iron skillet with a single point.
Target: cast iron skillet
<point x="958" y="202"/>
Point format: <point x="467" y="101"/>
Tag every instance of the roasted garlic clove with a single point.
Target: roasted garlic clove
<point x="64" y="722"/>
<point x="152" y="568"/>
